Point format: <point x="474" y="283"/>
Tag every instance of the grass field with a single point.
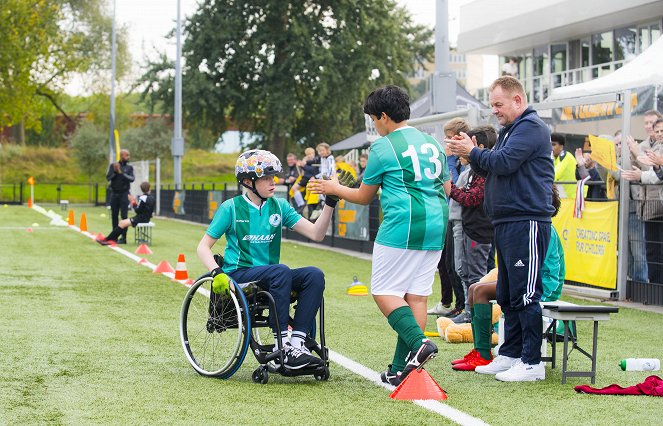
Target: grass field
<point x="91" y="337"/>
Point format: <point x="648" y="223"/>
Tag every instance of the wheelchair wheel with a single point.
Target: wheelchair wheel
<point x="214" y="329"/>
<point x="323" y="375"/>
<point x="260" y="375"/>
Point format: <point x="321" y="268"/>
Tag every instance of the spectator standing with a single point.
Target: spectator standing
<point x="585" y="167"/>
<point x="518" y="198"/>
<point x="477" y="228"/>
<point x="652" y="208"/>
<point x="363" y="159"/>
<point x="447" y="268"/>
<point x="120" y="175"/>
<point x="565" y="166"/>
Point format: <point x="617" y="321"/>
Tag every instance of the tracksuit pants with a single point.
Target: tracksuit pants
<point x="279" y="280"/>
<point x="521" y="248"/>
<point x="119" y="204"/>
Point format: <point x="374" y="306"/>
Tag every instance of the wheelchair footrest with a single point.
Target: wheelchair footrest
<point x="306" y="371"/>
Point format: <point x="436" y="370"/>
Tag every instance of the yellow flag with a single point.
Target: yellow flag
<point x="603" y="152"/>
<point x="116" y="135"/>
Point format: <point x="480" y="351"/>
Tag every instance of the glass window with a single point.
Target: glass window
<point x="602" y="48"/>
<point x="655" y="32"/>
<point x="625" y="44"/>
<point x="585" y="53"/>
<point x="558" y="57"/>
<point x="644" y="39"/>
<point x="540" y="60"/>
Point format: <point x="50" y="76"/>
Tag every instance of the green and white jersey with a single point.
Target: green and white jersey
<point x="411" y="167"/>
<point x="253" y="235"/>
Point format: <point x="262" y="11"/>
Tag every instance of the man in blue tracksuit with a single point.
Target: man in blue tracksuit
<point x="518" y="198"/>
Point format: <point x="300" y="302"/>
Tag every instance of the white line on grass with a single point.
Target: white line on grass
<point x="442" y="409"/>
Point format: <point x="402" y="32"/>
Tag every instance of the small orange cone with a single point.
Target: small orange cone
<point x="181" y="273"/>
<point x="70" y="221"/>
<point x="143" y="249"/>
<point x="100" y="236"/>
<point x="142" y="260"/>
<point x="83" y="226"/>
<point x="163" y="267"/>
<point x="419" y="385"/>
<point x="29" y="203"/>
<point x="29" y="229"/>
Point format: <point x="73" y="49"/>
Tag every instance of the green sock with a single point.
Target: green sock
<point x="398" y="363"/>
<point x="403" y="322"/>
<point x="473" y="323"/>
<point x="483" y="327"/>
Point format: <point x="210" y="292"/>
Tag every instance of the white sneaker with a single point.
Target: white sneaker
<point x="439" y="309"/>
<point x="521" y="372"/>
<point x="499" y="364"/>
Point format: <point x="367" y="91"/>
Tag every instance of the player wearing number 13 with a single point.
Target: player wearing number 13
<point x="411" y="168"/>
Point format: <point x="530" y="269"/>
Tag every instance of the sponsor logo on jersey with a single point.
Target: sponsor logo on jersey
<point x="275" y="219"/>
<point x="241" y="220"/>
<point x="259" y="238"/>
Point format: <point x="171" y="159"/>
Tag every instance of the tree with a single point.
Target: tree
<point x="291" y="72"/>
<point x="45" y="43"/>
<point x="90" y="145"/>
<point x="149" y="141"/>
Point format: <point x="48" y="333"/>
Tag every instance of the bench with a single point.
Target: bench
<point x="569" y="313"/>
<point x="143" y="233"/>
<point x="64" y="204"/>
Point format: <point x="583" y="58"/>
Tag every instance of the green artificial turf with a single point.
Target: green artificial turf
<point x="89" y="336"/>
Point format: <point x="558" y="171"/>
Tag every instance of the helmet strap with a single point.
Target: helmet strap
<point x="253" y="189"/>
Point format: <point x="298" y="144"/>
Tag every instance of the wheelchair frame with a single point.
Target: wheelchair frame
<point x="230" y="330"/>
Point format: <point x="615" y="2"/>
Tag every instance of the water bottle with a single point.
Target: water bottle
<point x="640" y="364"/>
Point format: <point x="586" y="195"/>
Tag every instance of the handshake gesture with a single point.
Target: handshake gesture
<point x="330" y="186"/>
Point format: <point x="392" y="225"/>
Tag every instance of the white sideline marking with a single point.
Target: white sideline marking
<point x="442" y="409"/>
<point x="437" y="407"/>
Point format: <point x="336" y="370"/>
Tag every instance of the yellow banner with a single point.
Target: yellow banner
<point x="603" y="152"/>
<point x="590" y="243"/>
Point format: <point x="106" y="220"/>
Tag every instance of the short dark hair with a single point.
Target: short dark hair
<point x="145" y="187"/>
<point x="559" y="138"/>
<point x="486" y="135"/>
<point x="392" y="100"/>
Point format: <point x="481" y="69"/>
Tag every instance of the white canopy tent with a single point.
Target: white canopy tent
<point x="645" y="70"/>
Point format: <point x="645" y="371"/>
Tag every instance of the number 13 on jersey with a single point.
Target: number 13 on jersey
<point x="430" y="151"/>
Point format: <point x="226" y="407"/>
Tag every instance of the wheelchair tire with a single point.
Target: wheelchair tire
<point x="323" y="375"/>
<point x="214" y="330"/>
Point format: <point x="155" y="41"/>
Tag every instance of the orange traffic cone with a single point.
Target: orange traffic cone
<point x="180" y="270"/>
<point x="29" y="203"/>
<point x="143" y="249"/>
<point x="163" y="267"/>
<point x="70" y="221"/>
<point x="419" y="385"/>
<point x="83" y="226"/>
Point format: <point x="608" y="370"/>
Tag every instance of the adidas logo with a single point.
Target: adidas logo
<point x="519" y="263"/>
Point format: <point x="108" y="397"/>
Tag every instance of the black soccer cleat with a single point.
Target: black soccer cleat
<point x="416" y="360"/>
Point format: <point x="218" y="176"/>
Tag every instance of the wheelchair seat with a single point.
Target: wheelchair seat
<point x="216" y="332"/>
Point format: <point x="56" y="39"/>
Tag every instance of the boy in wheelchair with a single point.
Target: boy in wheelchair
<point x="252" y="224"/>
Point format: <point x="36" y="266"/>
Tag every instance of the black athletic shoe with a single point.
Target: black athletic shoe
<point x="454" y="312"/>
<point x="415" y="360"/>
<point x="390" y="378"/>
<point x="294" y="358"/>
<point x="103" y="242"/>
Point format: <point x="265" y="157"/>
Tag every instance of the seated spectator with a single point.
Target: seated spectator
<point x="480" y="294"/>
<point x="143" y="206"/>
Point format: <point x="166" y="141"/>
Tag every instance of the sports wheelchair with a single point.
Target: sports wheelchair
<point x="217" y="330"/>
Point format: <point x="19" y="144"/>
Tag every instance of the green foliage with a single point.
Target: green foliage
<point x="291" y="72"/>
<point x="90" y="148"/>
<point x="149" y="141"/>
<point x="45" y="44"/>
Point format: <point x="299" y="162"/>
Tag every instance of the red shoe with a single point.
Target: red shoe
<point x="473" y="363"/>
<point x="473" y="353"/>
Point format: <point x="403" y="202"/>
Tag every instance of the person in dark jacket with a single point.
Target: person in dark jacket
<point x="120" y="175"/>
<point x="518" y="198"/>
<point x="477" y="227"/>
<point x="143" y="206"/>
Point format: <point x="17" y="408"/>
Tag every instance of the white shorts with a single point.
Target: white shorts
<point x="399" y="271"/>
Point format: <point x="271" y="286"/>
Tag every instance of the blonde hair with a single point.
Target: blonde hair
<point x="510" y="85"/>
<point x="309" y="151"/>
<point x="457" y="125"/>
<point x="323" y="145"/>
